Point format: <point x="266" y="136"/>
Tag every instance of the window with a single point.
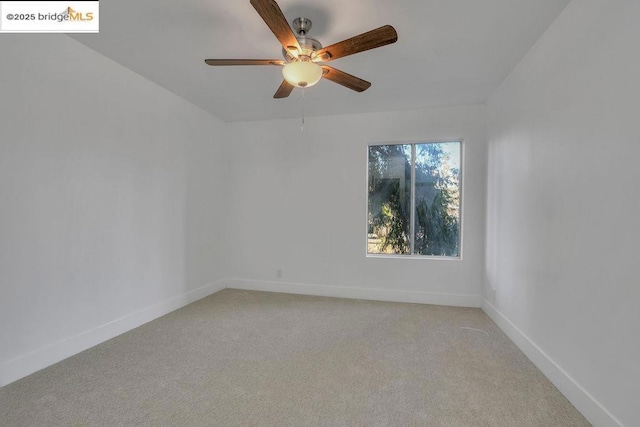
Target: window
<point x="414" y="199"/>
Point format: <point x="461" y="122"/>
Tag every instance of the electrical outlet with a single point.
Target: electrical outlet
<point x="279" y="274"/>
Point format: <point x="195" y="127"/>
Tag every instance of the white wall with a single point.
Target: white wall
<point x="112" y="201"/>
<point x="298" y="204"/>
<point x="563" y="207"/>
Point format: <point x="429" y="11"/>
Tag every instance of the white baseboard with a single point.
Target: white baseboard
<point x="592" y="410"/>
<point x="357" y="293"/>
<point x="29" y="363"/>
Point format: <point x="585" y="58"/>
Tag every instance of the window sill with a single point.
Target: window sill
<point x="423" y="257"/>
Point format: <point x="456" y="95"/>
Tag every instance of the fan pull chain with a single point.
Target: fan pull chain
<point x="302" y="126"/>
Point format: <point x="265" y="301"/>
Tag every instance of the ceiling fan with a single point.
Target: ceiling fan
<point x="304" y="57"/>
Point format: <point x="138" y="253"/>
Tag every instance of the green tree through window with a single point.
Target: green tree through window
<point x="414" y="199"/>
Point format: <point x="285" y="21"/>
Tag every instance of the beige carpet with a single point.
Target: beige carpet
<point x="256" y="358"/>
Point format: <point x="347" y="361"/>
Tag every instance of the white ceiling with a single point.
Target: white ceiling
<point x="449" y="52"/>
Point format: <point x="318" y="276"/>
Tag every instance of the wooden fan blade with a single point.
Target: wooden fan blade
<point x="345" y="79"/>
<point x="284" y="90"/>
<point x="370" y="40"/>
<point x="244" y="62"/>
<point x="271" y="14"/>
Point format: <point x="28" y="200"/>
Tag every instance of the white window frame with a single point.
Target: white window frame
<point x="412" y="218"/>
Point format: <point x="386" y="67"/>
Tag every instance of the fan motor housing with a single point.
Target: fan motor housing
<point x="308" y="45"/>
